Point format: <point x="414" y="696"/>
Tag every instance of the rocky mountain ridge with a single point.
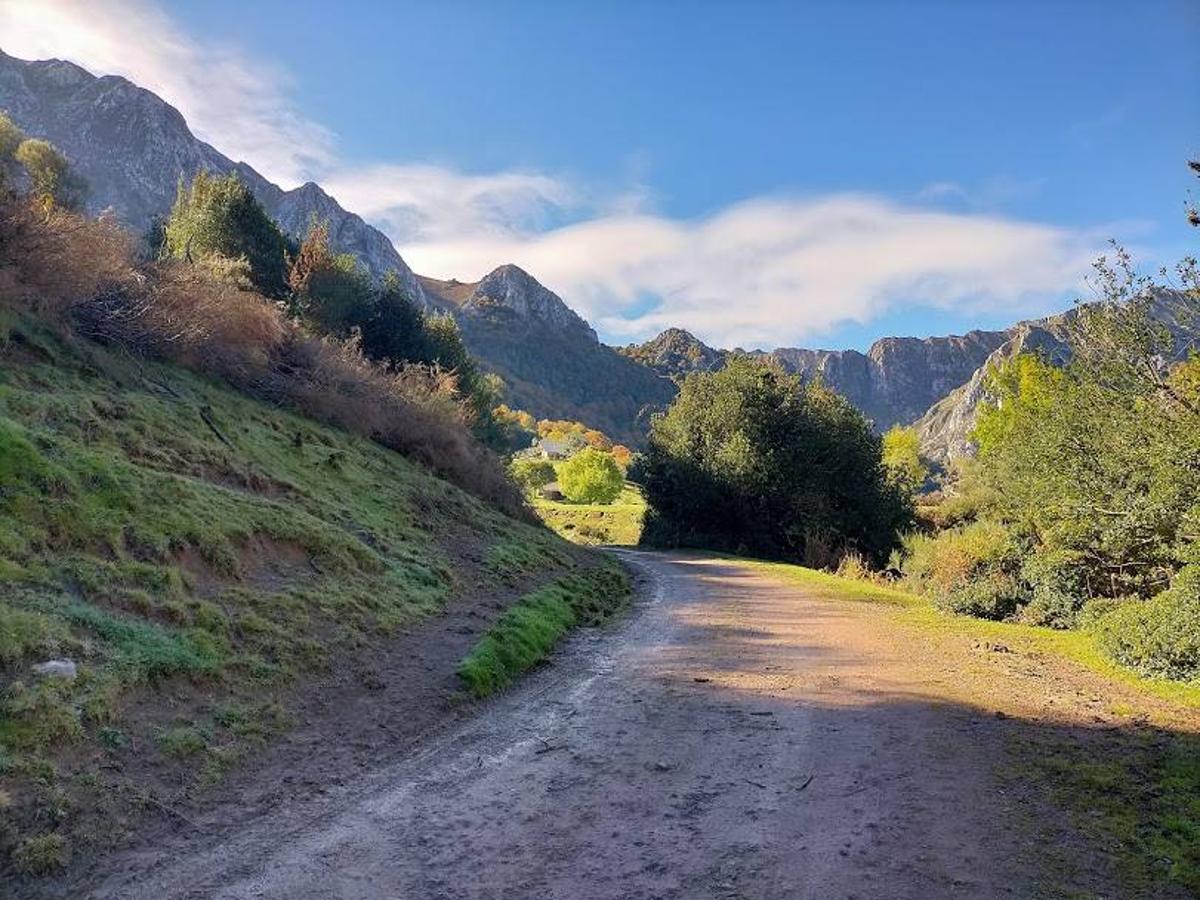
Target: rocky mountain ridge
<point x="893" y="383"/>
<point x="944" y="429"/>
<point x="133" y="148"/>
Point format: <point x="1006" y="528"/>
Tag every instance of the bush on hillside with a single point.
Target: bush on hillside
<point x="591" y="476"/>
<point x="218" y="216"/>
<point x="902" y="459"/>
<point x="752" y="459"/>
<point x="82" y="273"/>
<point x="1159" y="637"/>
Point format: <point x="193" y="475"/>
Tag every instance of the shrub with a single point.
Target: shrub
<point x="971" y="569"/>
<point x="1057" y="585"/>
<point x="854" y="565"/>
<point x="50" y="174"/>
<point x="1159" y="637"/>
<point x="331" y="291"/>
<point x="532" y="474"/>
<point x="40" y="854"/>
<point x="591" y="476"/>
<point x="902" y="459"/>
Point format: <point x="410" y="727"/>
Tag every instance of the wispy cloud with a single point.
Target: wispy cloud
<point x="775" y="271"/>
<point x="233" y="101"/>
<point x="766" y="271"/>
<point x="419" y="203"/>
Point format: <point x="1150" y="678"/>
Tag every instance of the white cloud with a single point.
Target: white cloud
<point x="766" y="271"/>
<point x="236" y="103"/>
<point x="769" y="272"/>
<point x="419" y="203"/>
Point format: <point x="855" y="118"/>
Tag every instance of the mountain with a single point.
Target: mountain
<point x="898" y="378"/>
<point x="893" y="383"/>
<point x="944" y="428"/>
<point x="549" y="357"/>
<point x="676" y="354"/>
<point x="133" y="148"/>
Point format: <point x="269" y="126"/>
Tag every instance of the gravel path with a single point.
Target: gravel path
<point x="733" y="737"/>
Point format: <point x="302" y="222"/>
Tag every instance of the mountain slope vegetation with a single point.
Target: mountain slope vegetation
<point x="206" y="511"/>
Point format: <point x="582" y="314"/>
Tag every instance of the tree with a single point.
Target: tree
<point x="10" y="138"/>
<point x="394" y="328"/>
<point x="332" y="291"/>
<point x="752" y="459"/>
<point x="902" y="459"/>
<point x="532" y="474"/>
<point x="591" y="476"/>
<point x="218" y="216"/>
<point x="49" y="173"/>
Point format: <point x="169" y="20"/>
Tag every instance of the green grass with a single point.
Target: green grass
<point x="617" y="523"/>
<point x="528" y="630"/>
<point x="136" y="542"/>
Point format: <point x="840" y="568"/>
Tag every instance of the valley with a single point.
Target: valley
<point x="324" y="577"/>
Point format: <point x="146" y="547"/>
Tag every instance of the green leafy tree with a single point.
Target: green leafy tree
<point x="394" y="327"/>
<point x="532" y="474"/>
<point x="49" y="173"/>
<point x="10" y="138"/>
<point x="902" y="458"/>
<point x="591" y="476"/>
<point x="219" y="216"/>
<point x="751" y="458"/>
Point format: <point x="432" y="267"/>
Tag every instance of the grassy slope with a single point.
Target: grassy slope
<point x="178" y="540"/>
<point x="1141" y="798"/>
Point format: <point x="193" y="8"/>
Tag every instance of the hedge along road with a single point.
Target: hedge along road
<point x="735" y="736"/>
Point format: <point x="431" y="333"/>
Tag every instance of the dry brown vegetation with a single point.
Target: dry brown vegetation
<point x="85" y="276"/>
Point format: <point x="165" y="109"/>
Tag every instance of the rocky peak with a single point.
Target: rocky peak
<point x="133" y="147"/>
<point x="515" y="290"/>
<point x="945" y="428"/>
<point x="676" y="353"/>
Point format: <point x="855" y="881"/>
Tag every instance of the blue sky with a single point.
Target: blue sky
<point x="761" y="173"/>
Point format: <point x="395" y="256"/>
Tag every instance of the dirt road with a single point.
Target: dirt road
<point x="733" y="737"/>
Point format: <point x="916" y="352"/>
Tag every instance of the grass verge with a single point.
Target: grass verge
<point x="526" y="633"/>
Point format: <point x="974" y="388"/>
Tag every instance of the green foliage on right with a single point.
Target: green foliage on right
<point x="591" y="476"/>
<point x="753" y="459"/>
<point x="1085" y="494"/>
<point x="1159" y="637"/>
<point x="217" y="216"/>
